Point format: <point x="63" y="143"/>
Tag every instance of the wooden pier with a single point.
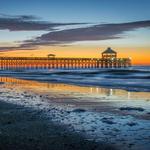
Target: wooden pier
<point x="109" y="60"/>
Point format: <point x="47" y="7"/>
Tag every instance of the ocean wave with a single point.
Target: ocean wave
<point x="133" y="79"/>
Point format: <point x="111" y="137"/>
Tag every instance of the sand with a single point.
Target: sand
<point x="25" y="129"/>
<point x="33" y="119"/>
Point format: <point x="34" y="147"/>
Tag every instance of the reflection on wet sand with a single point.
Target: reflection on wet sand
<point x="60" y="87"/>
<point x="85" y="114"/>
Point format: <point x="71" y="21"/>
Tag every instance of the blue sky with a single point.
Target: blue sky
<point x="80" y="10"/>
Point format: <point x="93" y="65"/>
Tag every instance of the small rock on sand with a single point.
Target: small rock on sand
<point x="107" y="120"/>
<point x="132" y="108"/>
<point x="132" y="124"/>
<point x="78" y="110"/>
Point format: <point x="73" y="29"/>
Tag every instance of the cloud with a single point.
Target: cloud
<point x="90" y="33"/>
<point x="28" y="23"/>
<point x="24" y="17"/>
<point x="96" y="32"/>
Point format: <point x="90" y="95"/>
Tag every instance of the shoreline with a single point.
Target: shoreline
<point x="72" y="111"/>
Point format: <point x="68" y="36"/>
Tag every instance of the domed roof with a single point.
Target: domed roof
<point x="109" y="50"/>
<point x="50" y="55"/>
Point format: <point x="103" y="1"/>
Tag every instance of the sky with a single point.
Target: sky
<point x="75" y="28"/>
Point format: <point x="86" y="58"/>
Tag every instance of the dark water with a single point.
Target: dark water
<point x="136" y="78"/>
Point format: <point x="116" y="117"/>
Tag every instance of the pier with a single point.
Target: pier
<point x="109" y="60"/>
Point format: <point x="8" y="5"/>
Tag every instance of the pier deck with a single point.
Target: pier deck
<point x="62" y="63"/>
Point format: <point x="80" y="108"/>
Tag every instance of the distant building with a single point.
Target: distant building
<point x="109" y="54"/>
<point x="51" y="56"/>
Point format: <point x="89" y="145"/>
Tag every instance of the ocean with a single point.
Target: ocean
<point x="136" y="78"/>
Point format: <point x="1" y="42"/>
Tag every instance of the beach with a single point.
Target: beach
<point x="41" y="115"/>
<point x="23" y="127"/>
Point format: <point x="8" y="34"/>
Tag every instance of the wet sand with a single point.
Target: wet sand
<point x="86" y="121"/>
<point x="22" y="128"/>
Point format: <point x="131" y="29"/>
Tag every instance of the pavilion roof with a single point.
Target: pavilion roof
<point x="50" y="55"/>
<point x="109" y="50"/>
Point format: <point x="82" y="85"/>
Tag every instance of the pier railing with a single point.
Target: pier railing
<point x="62" y="63"/>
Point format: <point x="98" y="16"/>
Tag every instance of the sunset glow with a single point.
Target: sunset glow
<point x="139" y="55"/>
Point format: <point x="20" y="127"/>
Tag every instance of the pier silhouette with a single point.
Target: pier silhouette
<point x="109" y="60"/>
